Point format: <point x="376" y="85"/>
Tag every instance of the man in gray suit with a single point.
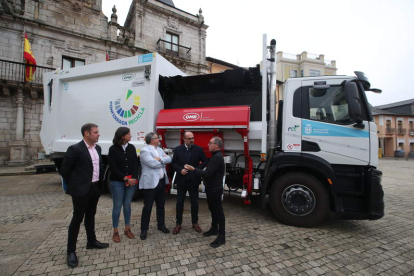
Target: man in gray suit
<point x="153" y="181"/>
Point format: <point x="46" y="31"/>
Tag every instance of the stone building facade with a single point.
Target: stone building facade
<point x="73" y="33"/>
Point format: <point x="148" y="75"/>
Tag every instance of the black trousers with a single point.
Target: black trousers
<point x="84" y="206"/>
<point x="182" y="189"/>
<point x="150" y="195"/>
<point x="218" y="221"/>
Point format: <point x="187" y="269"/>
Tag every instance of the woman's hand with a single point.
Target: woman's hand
<point x="131" y="182"/>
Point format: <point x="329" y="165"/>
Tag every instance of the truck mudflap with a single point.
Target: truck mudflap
<point x="376" y="208"/>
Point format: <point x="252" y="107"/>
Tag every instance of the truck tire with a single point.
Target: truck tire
<point x="138" y="193"/>
<point x="299" y="199"/>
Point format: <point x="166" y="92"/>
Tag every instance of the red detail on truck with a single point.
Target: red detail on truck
<point x="231" y="116"/>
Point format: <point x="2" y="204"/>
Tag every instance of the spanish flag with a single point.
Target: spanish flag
<point x="30" y="59"/>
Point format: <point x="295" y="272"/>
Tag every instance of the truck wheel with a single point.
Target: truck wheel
<point x="299" y="199"/>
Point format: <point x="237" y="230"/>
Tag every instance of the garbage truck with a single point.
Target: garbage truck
<point x="307" y="146"/>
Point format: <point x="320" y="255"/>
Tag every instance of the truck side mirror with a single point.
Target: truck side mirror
<point x="354" y="105"/>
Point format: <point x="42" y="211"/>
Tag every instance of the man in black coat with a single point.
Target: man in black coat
<point x="213" y="180"/>
<point x="187" y="153"/>
<point x="82" y="171"/>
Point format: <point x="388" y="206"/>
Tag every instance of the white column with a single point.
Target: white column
<point x="20" y="115"/>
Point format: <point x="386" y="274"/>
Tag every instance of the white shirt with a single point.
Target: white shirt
<point x="125" y="146"/>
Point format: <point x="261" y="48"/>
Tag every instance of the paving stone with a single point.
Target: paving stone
<point x="34" y="232"/>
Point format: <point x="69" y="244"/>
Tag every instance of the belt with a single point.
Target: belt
<point x="95" y="183"/>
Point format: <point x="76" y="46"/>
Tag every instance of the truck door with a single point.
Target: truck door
<point x="328" y="131"/>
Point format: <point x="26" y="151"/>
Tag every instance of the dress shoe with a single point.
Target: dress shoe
<point x="96" y="245"/>
<point x="116" y="237"/>
<point x="197" y="227"/>
<point x="72" y="260"/>
<point x="164" y="229"/>
<point x="220" y="240"/>
<point x="129" y="234"/>
<point x="211" y="232"/>
<point x="177" y="229"/>
<point x="143" y="235"/>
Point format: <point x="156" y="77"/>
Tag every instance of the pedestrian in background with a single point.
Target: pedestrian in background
<point x="124" y="166"/>
<point x="153" y="181"/>
<point x="213" y="181"/>
<point x="82" y="171"/>
<point x="188" y="181"/>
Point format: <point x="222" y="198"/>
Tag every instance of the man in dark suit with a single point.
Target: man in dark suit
<point x="191" y="154"/>
<point x="213" y="180"/>
<point x="82" y="170"/>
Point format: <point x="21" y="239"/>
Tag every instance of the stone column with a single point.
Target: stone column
<point x="18" y="148"/>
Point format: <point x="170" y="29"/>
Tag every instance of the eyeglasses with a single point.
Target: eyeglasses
<point x="155" y="137"/>
<point x="211" y="143"/>
<point x="190" y="138"/>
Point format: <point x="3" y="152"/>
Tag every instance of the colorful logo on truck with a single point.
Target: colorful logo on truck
<point x="128" y="111"/>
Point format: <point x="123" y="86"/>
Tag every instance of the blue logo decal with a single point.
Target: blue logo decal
<point x="313" y="128"/>
<point x="145" y="58"/>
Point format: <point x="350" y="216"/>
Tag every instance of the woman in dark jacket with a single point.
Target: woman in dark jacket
<point x="123" y="162"/>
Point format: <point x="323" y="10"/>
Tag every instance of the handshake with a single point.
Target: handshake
<point x="188" y="167"/>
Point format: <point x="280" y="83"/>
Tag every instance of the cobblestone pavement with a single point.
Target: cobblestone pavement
<point x="35" y="215"/>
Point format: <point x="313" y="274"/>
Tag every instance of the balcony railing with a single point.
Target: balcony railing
<point x="16" y="71"/>
<point x="173" y="49"/>
<point x="411" y="132"/>
<point x="402" y="131"/>
<point x="390" y="130"/>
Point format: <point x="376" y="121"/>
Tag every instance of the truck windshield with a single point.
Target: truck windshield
<point x="329" y="105"/>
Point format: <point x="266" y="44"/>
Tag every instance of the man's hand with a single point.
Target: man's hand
<point x="157" y="158"/>
<point x="188" y="167"/>
<point x="184" y="171"/>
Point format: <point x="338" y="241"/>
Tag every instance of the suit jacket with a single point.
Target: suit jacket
<point x="193" y="158"/>
<point x="214" y="173"/>
<point x="149" y="176"/>
<point x="77" y="169"/>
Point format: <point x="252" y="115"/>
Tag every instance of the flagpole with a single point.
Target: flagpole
<point x="24" y="36"/>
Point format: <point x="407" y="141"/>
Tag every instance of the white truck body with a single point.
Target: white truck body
<point x="94" y="93"/>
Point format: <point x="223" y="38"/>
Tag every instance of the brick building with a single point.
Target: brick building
<point x="69" y="33"/>
<point x="395" y="123"/>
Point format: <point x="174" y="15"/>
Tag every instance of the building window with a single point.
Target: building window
<point x="401" y="146"/>
<point x="301" y="73"/>
<point x="314" y="73"/>
<point x="293" y="73"/>
<point x="411" y="146"/>
<point x="172" y="42"/>
<point x="399" y="125"/>
<point x="411" y="126"/>
<point x="68" y="62"/>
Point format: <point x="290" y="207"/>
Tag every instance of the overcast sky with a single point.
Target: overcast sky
<point x="373" y="36"/>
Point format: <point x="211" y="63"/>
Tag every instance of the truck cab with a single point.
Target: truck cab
<point x="327" y="152"/>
